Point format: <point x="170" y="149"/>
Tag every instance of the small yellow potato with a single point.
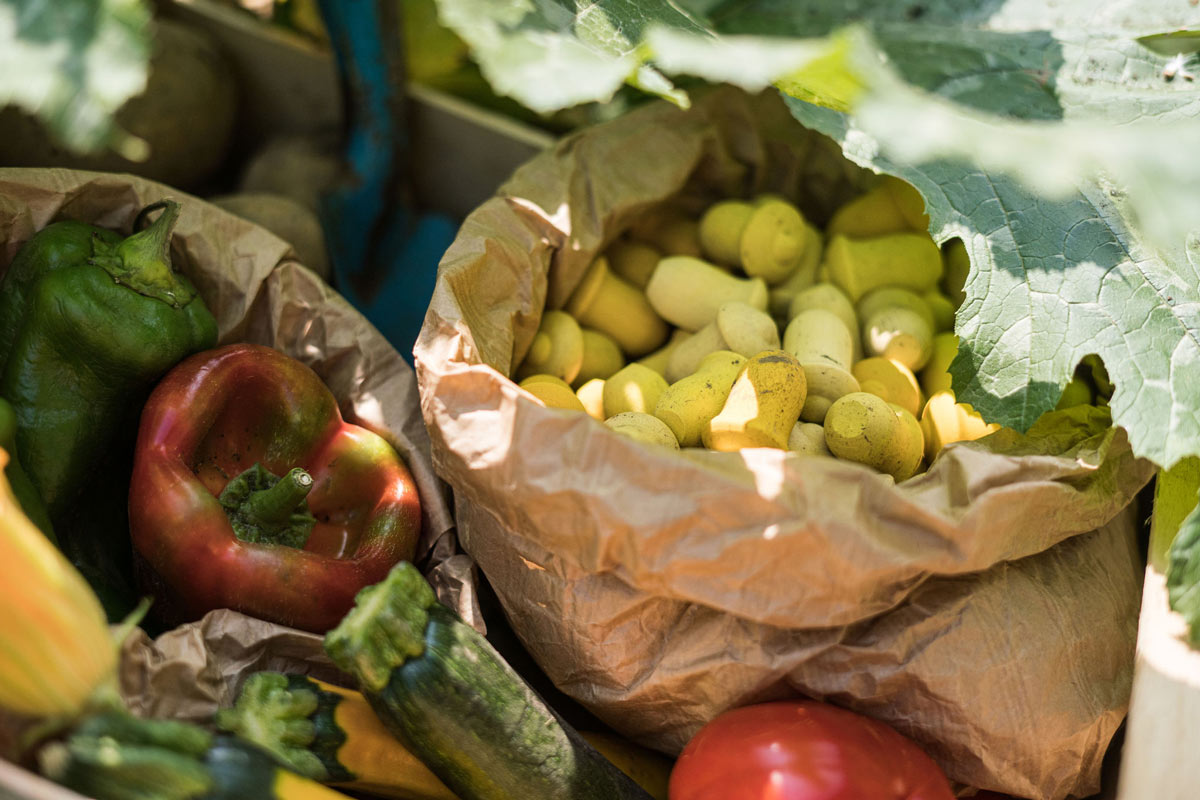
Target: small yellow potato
<point x="738" y="327"/>
<point x="908" y="455"/>
<point x="658" y="360"/>
<point x="721" y="229"/>
<point x="679" y="236"/>
<point x="601" y="357"/>
<point x="824" y="347"/>
<point x="689" y="404"/>
<point x="867" y="429"/>
<point x="890" y="380"/>
<point x="909" y="201"/>
<point x="763" y="404"/>
<point x="877" y="300"/>
<point x="591" y="395"/>
<point x="632" y="260"/>
<point x="873" y="213"/>
<point x="935" y="376"/>
<point x="616" y="307"/>
<point x="644" y="428"/>
<point x="803" y="276"/>
<point x="766" y="238"/>
<point x="857" y="266"/>
<point x="826" y="296"/>
<point x="556" y="349"/>
<point x="808" y="438"/>
<point x="944" y="421"/>
<point x="552" y="392"/>
<point x="773" y="242"/>
<point x="746" y="329"/>
<point x="633" y="388"/>
<point x="943" y="310"/>
<point x="687" y="292"/>
<point x="685" y="359"/>
<point x="891" y="206"/>
<point x="900" y="334"/>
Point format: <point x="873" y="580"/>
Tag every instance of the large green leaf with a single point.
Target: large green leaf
<point x="74" y="63"/>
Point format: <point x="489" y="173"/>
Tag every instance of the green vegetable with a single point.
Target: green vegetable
<point x="115" y="756"/>
<point x="26" y="494"/>
<point x="442" y="688"/>
<point x="88" y="322"/>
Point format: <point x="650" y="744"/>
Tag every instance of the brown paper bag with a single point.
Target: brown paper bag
<point x="258" y="293"/>
<point x="966" y="606"/>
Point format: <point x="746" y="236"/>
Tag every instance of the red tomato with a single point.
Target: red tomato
<point x="803" y="750"/>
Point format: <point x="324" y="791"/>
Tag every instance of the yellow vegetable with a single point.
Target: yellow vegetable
<point x="601" y="357"/>
<point x="634" y="261"/>
<point x="865" y="428"/>
<point x="606" y="302"/>
<point x="935" y="377"/>
<point x="633" y="388"/>
<point x="763" y="404"/>
<point x="658" y="360"/>
<point x="767" y="238"/>
<point x="900" y="334"/>
<point x="885" y="297"/>
<point x="591" y="395"/>
<point x="556" y="349"/>
<point x="943" y="311"/>
<point x="803" y="276"/>
<point x="644" y="428"/>
<point x="823" y="346"/>
<point x="857" y="266"/>
<point x="826" y="296"/>
<point x="891" y="206"/>
<point x="57" y="651"/>
<point x="808" y="438"/>
<point x="687" y="292"/>
<point x="738" y="327"/>
<point x="552" y="392"/>
<point x="890" y="380"/>
<point x="688" y="405"/>
<point x="944" y="421"/>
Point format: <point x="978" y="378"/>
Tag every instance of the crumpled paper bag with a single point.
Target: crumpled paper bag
<point x="258" y="293"/>
<point x="969" y="606"/>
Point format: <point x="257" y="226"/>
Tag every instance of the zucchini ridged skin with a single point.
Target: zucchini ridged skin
<point x="473" y="720"/>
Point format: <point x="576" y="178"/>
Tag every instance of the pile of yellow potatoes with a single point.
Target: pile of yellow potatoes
<point x="751" y="328"/>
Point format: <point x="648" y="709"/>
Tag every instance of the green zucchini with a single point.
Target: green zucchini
<point x="115" y="756"/>
<point x="444" y="691"/>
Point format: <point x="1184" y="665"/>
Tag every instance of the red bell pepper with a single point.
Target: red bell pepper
<point x="214" y="527"/>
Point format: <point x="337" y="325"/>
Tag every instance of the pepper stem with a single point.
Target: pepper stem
<point x="143" y="261"/>
<point x="277" y="504"/>
<point x="269" y="510"/>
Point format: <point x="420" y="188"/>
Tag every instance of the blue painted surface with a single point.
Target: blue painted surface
<point x="384" y="253"/>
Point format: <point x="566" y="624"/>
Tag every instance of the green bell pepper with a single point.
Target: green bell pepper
<point x="89" y="321"/>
